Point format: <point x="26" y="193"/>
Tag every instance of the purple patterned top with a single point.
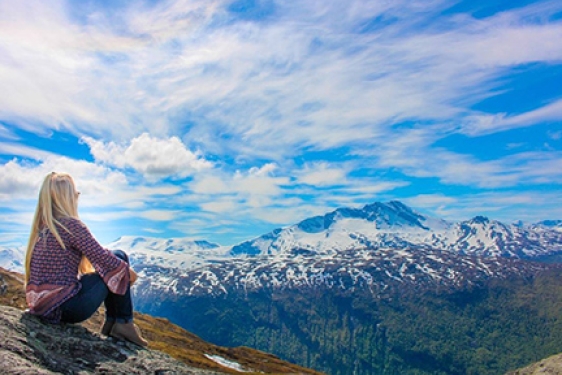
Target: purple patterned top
<point x="54" y="271"/>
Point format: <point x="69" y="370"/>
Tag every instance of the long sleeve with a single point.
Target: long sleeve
<point x="114" y="271"/>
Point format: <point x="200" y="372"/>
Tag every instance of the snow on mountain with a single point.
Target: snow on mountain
<point x="378" y="226"/>
<point x="381" y="246"/>
<point x="555" y="225"/>
<point x="394" y="225"/>
<point x="12" y="258"/>
<point x="375" y="271"/>
<point x="176" y="252"/>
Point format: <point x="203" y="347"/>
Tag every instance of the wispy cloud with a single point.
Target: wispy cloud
<point x="485" y="124"/>
<point x="507" y="206"/>
<point x="189" y="106"/>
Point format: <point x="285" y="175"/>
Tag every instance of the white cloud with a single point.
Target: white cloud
<point x="312" y="77"/>
<point x="153" y="157"/>
<point x="255" y="181"/>
<point x="411" y="151"/>
<point x="478" y="125"/>
<point x="506" y="205"/>
<point x="221" y="205"/>
<point x="22" y="179"/>
<point x="437" y="202"/>
<point x="306" y="77"/>
<point x="159" y="215"/>
<point x="322" y="174"/>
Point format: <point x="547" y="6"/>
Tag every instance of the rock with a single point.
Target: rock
<point x="3" y="285"/>
<point x="29" y="346"/>
<point x="549" y="366"/>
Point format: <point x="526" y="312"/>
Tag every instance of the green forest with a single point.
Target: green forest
<point x="486" y="329"/>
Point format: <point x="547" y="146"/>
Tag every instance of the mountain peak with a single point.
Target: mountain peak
<point x="389" y="214"/>
<point x="479" y="220"/>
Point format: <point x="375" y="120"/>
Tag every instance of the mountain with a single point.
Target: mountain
<point x="395" y="225"/>
<point x="12" y="258"/>
<point x="487" y="317"/>
<point x="390" y="225"/>
<point x="176" y="252"/>
<point x="28" y="346"/>
<point x="381" y="289"/>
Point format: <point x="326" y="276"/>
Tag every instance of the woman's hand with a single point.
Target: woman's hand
<point x="133" y="276"/>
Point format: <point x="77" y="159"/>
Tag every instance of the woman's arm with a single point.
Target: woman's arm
<point x="114" y="271"/>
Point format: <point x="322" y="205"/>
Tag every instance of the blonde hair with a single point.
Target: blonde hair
<point x="58" y="198"/>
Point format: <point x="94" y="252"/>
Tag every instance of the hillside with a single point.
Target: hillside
<point x="482" y="329"/>
<point x="548" y="366"/>
<point x="29" y="346"/>
<point x="173" y="340"/>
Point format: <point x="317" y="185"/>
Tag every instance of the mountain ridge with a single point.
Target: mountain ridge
<point x="377" y="225"/>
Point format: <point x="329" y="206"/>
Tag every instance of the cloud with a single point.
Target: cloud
<point x="159" y="215"/>
<point x="506" y="205"/>
<point x="411" y="151"/>
<point x="22" y="178"/>
<point x="314" y="75"/>
<point x="382" y="81"/>
<point x="478" y="125"/>
<point x="322" y="174"/>
<point x="106" y="192"/>
<point x="256" y="180"/>
<point x="152" y="157"/>
<point x="221" y="205"/>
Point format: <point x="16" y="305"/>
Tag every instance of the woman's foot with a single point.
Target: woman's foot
<point x="107" y="326"/>
<point x="128" y="331"/>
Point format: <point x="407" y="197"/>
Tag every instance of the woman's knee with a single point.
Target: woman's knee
<point x="121" y="255"/>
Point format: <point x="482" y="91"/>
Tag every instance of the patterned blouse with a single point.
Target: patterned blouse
<point x="54" y="271"/>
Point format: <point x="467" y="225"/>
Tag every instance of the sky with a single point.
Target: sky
<point x="222" y="120"/>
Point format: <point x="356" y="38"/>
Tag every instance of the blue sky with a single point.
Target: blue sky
<point x="222" y="120"/>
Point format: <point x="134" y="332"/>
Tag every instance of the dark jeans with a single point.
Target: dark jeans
<point x="94" y="291"/>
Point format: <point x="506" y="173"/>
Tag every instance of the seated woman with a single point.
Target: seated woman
<point x="68" y="273"/>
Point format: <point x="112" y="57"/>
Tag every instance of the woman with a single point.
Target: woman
<point x="68" y="273"/>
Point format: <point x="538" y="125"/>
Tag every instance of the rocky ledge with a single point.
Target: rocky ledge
<point x="551" y="366"/>
<point x="29" y="346"/>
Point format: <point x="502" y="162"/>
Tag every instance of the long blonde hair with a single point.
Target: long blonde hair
<point x="58" y="198"/>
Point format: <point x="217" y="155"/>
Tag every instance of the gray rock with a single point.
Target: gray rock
<point x="29" y="346"/>
<point x="3" y="285"/>
<point x="548" y="366"/>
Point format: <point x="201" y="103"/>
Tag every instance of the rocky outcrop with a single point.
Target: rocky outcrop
<point x="195" y="355"/>
<point x="29" y="346"/>
<point x="549" y="366"/>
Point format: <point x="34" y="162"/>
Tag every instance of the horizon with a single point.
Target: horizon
<point x="187" y="238"/>
<point x="223" y="120"/>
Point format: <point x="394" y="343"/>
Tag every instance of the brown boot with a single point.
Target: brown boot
<point x="128" y="331"/>
<point x="106" y="328"/>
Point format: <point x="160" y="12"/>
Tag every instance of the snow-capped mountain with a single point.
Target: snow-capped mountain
<point x="548" y="225"/>
<point x="176" y="252"/>
<point x="374" y="271"/>
<point x="376" y="247"/>
<point x="343" y="238"/>
<point x="12" y="258"/>
<point x="396" y="226"/>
